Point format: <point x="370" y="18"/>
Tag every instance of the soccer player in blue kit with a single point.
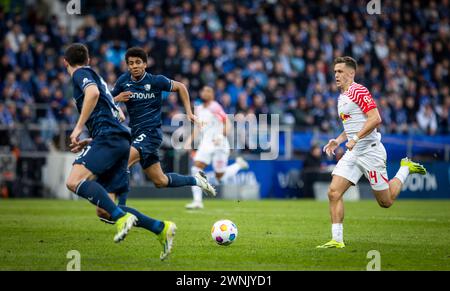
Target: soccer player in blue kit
<point x="100" y="170"/>
<point x="142" y="94"/>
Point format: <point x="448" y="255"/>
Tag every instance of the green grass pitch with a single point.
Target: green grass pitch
<point x="273" y="235"/>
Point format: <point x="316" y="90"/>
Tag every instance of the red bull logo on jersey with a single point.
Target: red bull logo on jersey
<point x="345" y="117"/>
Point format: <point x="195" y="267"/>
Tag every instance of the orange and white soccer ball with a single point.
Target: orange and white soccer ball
<point x="224" y="232"/>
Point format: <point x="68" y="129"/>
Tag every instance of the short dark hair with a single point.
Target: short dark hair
<point x="77" y="54"/>
<point x="348" y="61"/>
<point x="136" y="52"/>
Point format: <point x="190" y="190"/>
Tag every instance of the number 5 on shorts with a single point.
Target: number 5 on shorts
<point x="140" y="138"/>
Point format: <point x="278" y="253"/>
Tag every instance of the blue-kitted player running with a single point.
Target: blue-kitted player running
<point x="142" y="94"/>
<point x="100" y="170"/>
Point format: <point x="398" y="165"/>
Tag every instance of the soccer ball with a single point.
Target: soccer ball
<point x="224" y="232"/>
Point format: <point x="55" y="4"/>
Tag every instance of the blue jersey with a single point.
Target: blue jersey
<point x="104" y="119"/>
<point x="144" y="105"/>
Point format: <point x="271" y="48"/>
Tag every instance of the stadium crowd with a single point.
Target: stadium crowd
<point x="260" y="56"/>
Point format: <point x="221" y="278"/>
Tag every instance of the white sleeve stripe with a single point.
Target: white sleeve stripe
<point x="358" y="89"/>
<point x="358" y="97"/>
<point x="358" y="93"/>
<point x="89" y="84"/>
<point x="357" y="86"/>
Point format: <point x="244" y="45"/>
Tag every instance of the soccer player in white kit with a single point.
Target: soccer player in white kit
<point x="365" y="153"/>
<point x="214" y="146"/>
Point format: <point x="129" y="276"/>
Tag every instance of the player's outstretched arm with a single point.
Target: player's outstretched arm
<point x="373" y="120"/>
<point x="91" y="95"/>
<point x="184" y="95"/>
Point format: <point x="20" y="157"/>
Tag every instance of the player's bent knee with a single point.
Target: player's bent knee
<point x="161" y="181"/>
<point x="385" y="204"/>
<point x="159" y="184"/>
<point x="72" y="184"/>
<point x="333" y="194"/>
<point x="79" y="173"/>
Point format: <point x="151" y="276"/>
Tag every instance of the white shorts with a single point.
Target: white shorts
<point x="217" y="154"/>
<point x="371" y="163"/>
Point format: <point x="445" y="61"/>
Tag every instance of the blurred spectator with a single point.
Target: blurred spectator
<point x="225" y="101"/>
<point x="399" y="117"/>
<point x="427" y="119"/>
<point x="386" y="115"/>
<point x="311" y="168"/>
<point x="115" y="54"/>
<point x="443" y="112"/>
<point x="261" y="56"/>
<point x="15" y="37"/>
<point x="5" y="66"/>
<point x="6" y="118"/>
<point x="318" y="113"/>
<point x="301" y="114"/>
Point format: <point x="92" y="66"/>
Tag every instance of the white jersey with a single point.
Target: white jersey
<point x="212" y="119"/>
<point x="353" y="105"/>
<point x="214" y="146"/>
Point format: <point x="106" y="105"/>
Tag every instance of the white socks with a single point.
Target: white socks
<point x="231" y="171"/>
<point x="196" y="191"/>
<point x="337" y="231"/>
<point x="402" y="174"/>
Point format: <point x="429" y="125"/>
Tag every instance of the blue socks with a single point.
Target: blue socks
<point x="144" y="221"/>
<point x="122" y="200"/>
<point x="98" y="196"/>
<point x="177" y="180"/>
<point x="153" y="225"/>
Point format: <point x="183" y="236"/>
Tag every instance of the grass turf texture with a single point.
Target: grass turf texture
<point x="273" y="235"/>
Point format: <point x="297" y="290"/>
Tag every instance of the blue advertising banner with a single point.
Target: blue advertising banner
<point x="282" y="179"/>
<point x="396" y="145"/>
<point x="434" y="185"/>
<point x="277" y="179"/>
<point x="287" y="179"/>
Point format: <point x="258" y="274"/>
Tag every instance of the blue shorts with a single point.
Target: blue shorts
<point x="148" y="142"/>
<point x="107" y="158"/>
